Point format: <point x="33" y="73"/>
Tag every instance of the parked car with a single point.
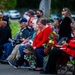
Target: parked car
<point x="73" y="16"/>
<point x="14" y="14"/>
<point x="5" y="13"/>
<point x="53" y="16"/>
<point x="25" y="15"/>
<point x="0" y="12"/>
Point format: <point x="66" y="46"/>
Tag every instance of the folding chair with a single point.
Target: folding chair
<point x="64" y="61"/>
<point x="62" y="39"/>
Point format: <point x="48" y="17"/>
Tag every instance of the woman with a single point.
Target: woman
<point x="64" y="27"/>
<point x="39" y="40"/>
<point x="67" y="48"/>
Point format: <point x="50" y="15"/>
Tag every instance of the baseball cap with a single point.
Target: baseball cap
<point x="47" y="21"/>
<point x="56" y="19"/>
<point x="22" y="20"/>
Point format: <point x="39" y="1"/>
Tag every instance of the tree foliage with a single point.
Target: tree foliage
<point x="7" y="4"/>
<point x="28" y="4"/>
<point x="59" y="4"/>
<point x="55" y="4"/>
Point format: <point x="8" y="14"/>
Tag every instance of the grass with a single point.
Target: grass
<point x="15" y="27"/>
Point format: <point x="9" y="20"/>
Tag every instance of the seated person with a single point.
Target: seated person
<point x="56" y="53"/>
<point x="39" y="40"/>
<point x="6" y="46"/>
<point x="23" y="35"/>
<point x="24" y="31"/>
<point x="5" y="35"/>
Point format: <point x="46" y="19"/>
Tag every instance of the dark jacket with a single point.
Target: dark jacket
<point x="5" y="35"/>
<point x="65" y="28"/>
<point x="24" y="33"/>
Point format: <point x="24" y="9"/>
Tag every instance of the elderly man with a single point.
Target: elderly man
<point x="23" y="35"/>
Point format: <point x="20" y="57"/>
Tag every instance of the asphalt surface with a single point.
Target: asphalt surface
<point x="6" y="69"/>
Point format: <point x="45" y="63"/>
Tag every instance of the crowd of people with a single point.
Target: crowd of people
<point x="27" y="50"/>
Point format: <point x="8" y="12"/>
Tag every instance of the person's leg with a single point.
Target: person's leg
<point x="21" y="60"/>
<point x="39" y="57"/>
<point x="21" y="48"/>
<point x="54" y="55"/>
<point x="1" y="50"/>
<point x="7" y="50"/>
<point x="13" y="53"/>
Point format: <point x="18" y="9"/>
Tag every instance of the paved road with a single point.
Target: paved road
<point x="6" y="69"/>
<point x="9" y="70"/>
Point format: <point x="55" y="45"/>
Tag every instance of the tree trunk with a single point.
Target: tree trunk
<point x="45" y="7"/>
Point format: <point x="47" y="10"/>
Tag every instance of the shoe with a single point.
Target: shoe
<point x="23" y="66"/>
<point x="13" y="64"/>
<point x="38" y="69"/>
<point x="4" y="61"/>
<point x="10" y="63"/>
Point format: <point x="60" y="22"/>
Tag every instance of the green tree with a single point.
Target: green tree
<point x="59" y="4"/>
<point x="7" y="4"/>
<point x="31" y="4"/>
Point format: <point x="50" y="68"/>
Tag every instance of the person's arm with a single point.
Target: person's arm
<point x="46" y="34"/>
<point x="71" y="45"/>
<point x="5" y="36"/>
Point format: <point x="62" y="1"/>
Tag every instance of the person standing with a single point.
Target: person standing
<point x="64" y="27"/>
<point x="39" y="13"/>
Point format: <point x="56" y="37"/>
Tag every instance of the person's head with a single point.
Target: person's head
<point x="66" y="12"/>
<point x="56" y="20"/>
<point x="41" y="22"/>
<point x="23" y="22"/>
<point x="3" y="24"/>
<point x="39" y="13"/>
<point x="30" y="13"/>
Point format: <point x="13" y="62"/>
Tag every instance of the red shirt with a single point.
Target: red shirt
<point x="70" y="49"/>
<point x="42" y="37"/>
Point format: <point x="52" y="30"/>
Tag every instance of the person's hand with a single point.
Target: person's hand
<point x="64" y="43"/>
<point x="25" y="40"/>
<point x="59" y="46"/>
<point x="22" y="39"/>
<point x="34" y="48"/>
